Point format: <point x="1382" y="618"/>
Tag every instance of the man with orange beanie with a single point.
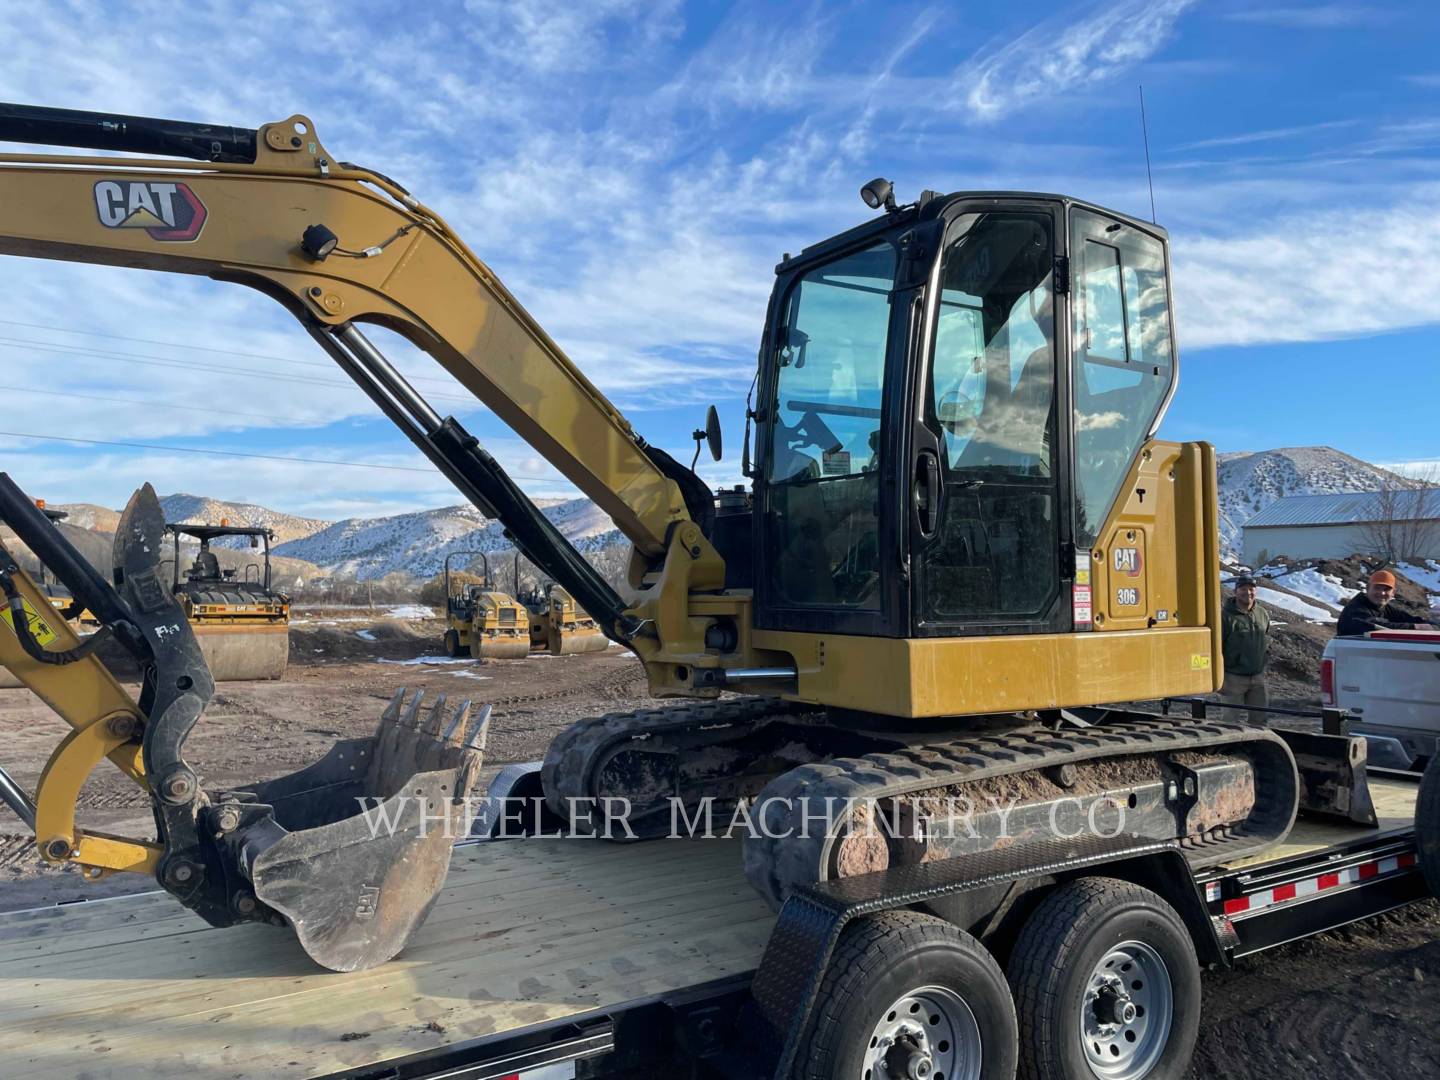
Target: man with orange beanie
<point x="1370" y="610"/>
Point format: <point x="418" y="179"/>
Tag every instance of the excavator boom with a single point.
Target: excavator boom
<point x="338" y="246"/>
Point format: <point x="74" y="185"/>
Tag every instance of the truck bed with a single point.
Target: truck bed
<point x="525" y="931"/>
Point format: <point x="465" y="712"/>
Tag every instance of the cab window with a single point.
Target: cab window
<point x="1124" y="362"/>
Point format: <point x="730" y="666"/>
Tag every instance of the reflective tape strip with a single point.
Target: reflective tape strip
<point x="1295" y="890"/>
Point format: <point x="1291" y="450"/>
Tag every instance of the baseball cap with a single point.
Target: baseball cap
<point x="1382" y="577"/>
<point x="1244" y="579"/>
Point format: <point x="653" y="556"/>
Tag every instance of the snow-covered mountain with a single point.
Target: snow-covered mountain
<point x="199" y="510"/>
<point x="1252" y="480"/>
<point x="417" y="543"/>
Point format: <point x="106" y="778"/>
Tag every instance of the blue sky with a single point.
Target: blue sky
<point x="634" y="170"/>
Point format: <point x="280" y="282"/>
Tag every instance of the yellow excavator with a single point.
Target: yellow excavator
<point x="481" y="621"/>
<point x="242" y="624"/>
<point x="960" y="544"/>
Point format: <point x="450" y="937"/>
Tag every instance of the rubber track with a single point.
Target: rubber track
<point x="779" y="856"/>
<point x="567" y="771"/>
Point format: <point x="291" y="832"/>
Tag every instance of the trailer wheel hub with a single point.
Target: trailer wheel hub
<point x="1126" y="1014"/>
<point x="927" y="1033"/>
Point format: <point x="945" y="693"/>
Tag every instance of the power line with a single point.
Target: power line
<point x="187" y="346"/>
<point x="68" y="395"/>
<point x="185" y="365"/>
<point x="239" y="454"/>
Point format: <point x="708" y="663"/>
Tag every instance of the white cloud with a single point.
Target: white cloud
<point x="1310" y="16"/>
<point x="1268" y="135"/>
<point x="1341" y="273"/>
<point x="1053" y="57"/>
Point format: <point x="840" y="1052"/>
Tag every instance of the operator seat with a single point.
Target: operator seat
<point x="206" y="566"/>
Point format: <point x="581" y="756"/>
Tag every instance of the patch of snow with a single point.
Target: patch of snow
<point x="430" y="660"/>
<point x="365" y="635"/>
<point x="468" y="675"/>
<point x="1322" y="588"/>
<point x="1427" y="576"/>
<point x="410" y="611"/>
<point x="1293" y="603"/>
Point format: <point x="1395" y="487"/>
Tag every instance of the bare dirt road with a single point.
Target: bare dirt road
<point x="1360" y="1002"/>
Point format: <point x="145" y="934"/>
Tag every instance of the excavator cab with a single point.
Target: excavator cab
<point x="992" y="451"/>
<point x="350" y="853"/>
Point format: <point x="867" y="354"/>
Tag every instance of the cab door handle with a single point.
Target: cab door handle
<point x="927" y="493"/>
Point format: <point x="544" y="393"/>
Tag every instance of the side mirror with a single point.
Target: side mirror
<point x="712" y="432"/>
<point x="254" y="541"/>
<point x="710" y="435"/>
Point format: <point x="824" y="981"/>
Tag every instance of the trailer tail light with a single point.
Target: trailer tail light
<point x="1327" y="683"/>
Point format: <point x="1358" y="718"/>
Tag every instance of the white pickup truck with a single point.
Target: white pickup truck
<point x="1389" y="682"/>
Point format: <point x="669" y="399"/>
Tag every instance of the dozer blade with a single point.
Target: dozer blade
<point x="353" y="850"/>
<point x="240" y="653"/>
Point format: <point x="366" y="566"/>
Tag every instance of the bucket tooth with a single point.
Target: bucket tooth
<point x="481" y="731"/>
<point x="436" y="720"/>
<point x="455" y="730"/>
<point x="411" y="716"/>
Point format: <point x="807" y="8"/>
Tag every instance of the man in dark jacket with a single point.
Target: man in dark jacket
<point x="1370" y="609"/>
<point x="1245" y="644"/>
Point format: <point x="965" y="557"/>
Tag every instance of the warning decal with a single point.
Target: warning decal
<point x="39" y="628"/>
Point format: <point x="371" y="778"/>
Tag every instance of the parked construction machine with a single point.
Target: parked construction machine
<point x="242" y="624"/>
<point x="961" y="543"/>
<point x="558" y="625"/>
<point x="481" y="621"/>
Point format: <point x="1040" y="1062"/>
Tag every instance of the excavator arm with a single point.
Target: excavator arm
<point x="340" y="246"/>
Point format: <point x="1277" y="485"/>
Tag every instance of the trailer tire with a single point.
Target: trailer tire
<point x="1069" y="963"/>
<point x="1427" y="825"/>
<point x="917" y="985"/>
<point x="453" y="648"/>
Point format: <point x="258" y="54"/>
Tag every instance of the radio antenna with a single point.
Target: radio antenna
<point x="1145" y="134"/>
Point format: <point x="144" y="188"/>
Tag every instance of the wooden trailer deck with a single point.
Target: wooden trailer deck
<point x="1394" y="809"/>
<point x="525" y="931"/>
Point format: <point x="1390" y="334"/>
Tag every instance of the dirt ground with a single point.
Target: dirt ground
<point x="1355" y="1002"/>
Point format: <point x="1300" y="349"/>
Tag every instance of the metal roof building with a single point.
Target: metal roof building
<point x="1334" y="526"/>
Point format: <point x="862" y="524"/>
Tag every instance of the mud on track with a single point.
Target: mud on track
<point x="1359" y="1002"/>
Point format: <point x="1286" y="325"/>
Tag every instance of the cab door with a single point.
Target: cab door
<point x="828" y="533"/>
<point x="988" y="515"/>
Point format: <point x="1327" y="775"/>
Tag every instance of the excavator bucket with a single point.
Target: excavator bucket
<point x="352" y="851"/>
<point x="244" y="653"/>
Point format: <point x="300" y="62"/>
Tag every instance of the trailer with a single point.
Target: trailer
<point x="548" y="958"/>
